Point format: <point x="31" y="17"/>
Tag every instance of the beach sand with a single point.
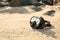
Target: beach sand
<point x="15" y="23"/>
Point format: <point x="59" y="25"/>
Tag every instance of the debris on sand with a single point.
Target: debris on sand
<point x="50" y="13"/>
<point x="38" y="6"/>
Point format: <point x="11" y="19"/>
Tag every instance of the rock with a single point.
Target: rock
<point x="49" y="2"/>
<point x="26" y="2"/>
<point x="15" y="3"/>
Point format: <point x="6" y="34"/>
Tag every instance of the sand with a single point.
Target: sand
<point x="14" y="23"/>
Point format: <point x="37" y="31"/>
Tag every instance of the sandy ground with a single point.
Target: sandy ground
<point x="14" y="23"/>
